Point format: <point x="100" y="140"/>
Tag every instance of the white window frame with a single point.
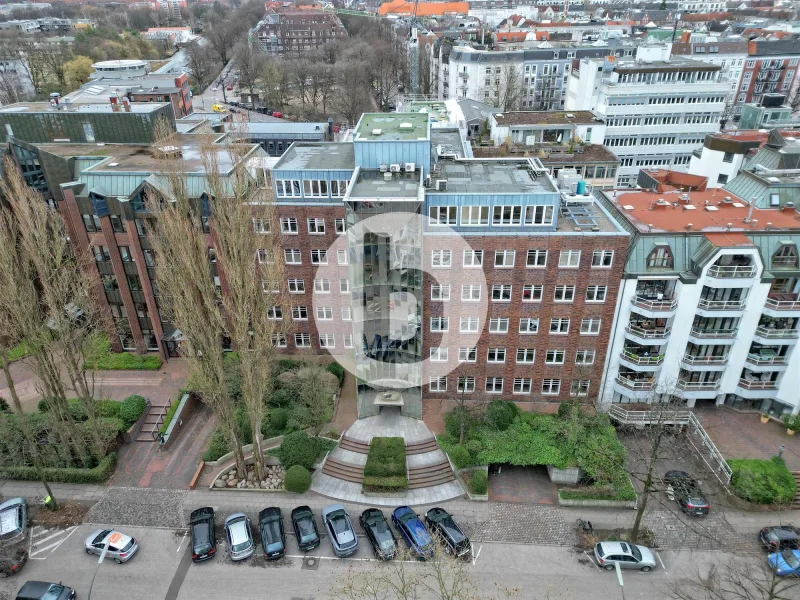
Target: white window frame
<point x="437" y="384"/>
<point x="555" y="357"/>
<point x="591" y="326"/>
<point x="526" y="356"/>
<point x="440" y="292"/>
<point x="470" y="292"/>
<point x="440" y="354"/>
<point x="559" y="322"/>
<point x="504" y="262"/>
<point x="494" y="388"/>
<point x="347" y="313"/>
<point x="327" y="341"/>
<point x="289" y="226"/>
<point x="596" y="294"/>
<point x="323" y="313"/>
<point x="321" y="257"/>
<point x="302" y="340"/>
<point x="292" y="256"/>
<point x="536" y="255"/>
<point x="539" y="215"/>
<point x="296" y="286"/>
<point x="339" y="226"/>
<point x="260" y="225"/>
<point x="522" y="385"/>
<point x="347" y="339"/>
<point x="322" y="286"/>
<point x="551" y="387"/>
<point x="564" y="294"/>
<point x="344" y="286"/>
<point x="342" y="258"/>
<point x="528" y="326"/>
<point x="439" y="324"/>
<point x="275" y="313"/>
<point x="471" y="262"/>
<point x="468" y="354"/>
<point x="298" y="313"/>
<point x="507" y="215"/>
<point x="600" y="256"/>
<point x="534" y="292"/>
<point x="443" y="216"/>
<point x="569" y="259"/>
<point x="469" y="325"/>
<point x="465" y="384"/>
<point x="586" y="357"/>
<point x="263" y="256"/>
<point x="582" y="387"/>
<point x="278" y="340"/>
<point x="441" y="259"/>
<point x="474" y="216"/>
<point x="501" y="292"/>
<point x="498" y="325"/>
<point x="496" y="355"/>
<point x="316" y="225"/>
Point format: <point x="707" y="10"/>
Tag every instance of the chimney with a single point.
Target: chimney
<point x="114" y="103"/>
<point x="126" y="104"/>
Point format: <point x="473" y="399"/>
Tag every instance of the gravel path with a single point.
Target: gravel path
<point x="140" y="507"/>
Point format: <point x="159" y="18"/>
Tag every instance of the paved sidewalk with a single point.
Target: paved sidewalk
<point x="62" y="491"/>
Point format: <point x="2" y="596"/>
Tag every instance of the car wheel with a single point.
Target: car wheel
<point x="118" y="561"/>
<point x="89" y="551"/>
<point x="646" y="569"/>
<point x="609" y="567"/>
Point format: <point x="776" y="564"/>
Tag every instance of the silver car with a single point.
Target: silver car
<point x="13" y="521"/>
<point x="340" y="530"/>
<point x="629" y="556"/>
<point x="121" y="547"/>
<point x="240" y="540"/>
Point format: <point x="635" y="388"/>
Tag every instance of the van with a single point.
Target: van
<point x="219" y="108"/>
<point x="41" y="590"/>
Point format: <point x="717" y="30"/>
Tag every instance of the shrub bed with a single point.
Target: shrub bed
<point x="171" y="413"/>
<point x="385" y="469"/>
<point x="126" y="361"/>
<point x="299" y="448"/>
<point x="98" y="474"/>
<point x="337" y="370"/>
<point x="131" y="409"/>
<point x="599" y="492"/>
<point x="297" y="479"/>
<point x="762" y="481"/>
<point x="19" y="351"/>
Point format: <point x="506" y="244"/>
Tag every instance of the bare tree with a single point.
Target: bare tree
<point x="352" y="84"/>
<point x="314" y="387"/>
<point x="739" y="578"/>
<point x="300" y="70"/>
<point x="504" y="88"/>
<point x="223" y="36"/>
<point x="250" y="61"/>
<point x="202" y="64"/>
<point x="275" y="83"/>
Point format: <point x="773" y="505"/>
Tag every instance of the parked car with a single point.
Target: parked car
<point x="413" y="532"/>
<point x="229" y="87"/>
<point x="277" y="114"/>
<point x="780" y="538"/>
<point x="685" y="490"/>
<point x="12" y="559"/>
<point x="340" y="529"/>
<point x="240" y="540"/>
<point x="201" y="524"/>
<point x="629" y="556"/>
<point x="379" y="534"/>
<point x="13" y="521"/>
<point x="441" y="523"/>
<point x="41" y="590"/>
<point x="305" y="528"/>
<point x="785" y="563"/>
<point x="273" y="537"/>
<point x="121" y="547"/>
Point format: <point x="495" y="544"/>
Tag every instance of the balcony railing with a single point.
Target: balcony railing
<point x="741" y="271"/>
<point x="721" y="304"/>
<point x="757" y="385"/>
<point x="704" y="360"/>
<point x="695" y="386"/>
<point x="648" y="304"/>
<point x="777" y="333"/>
<point x="659" y="332"/>
<point x="783" y="302"/>
<point x="633" y="384"/>
<point x="757" y="359"/>
<point x="713" y="333"/>
<point x="642" y="360"/>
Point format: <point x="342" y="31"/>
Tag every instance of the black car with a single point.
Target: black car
<point x="782" y="537"/>
<point x="273" y="537"/>
<point x="204" y="544"/>
<point x="42" y="590"/>
<point x="12" y="559"/>
<point x="685" y="490"/>
<point x="305" y="528"/>
<point x="379" y="534"/>
<point x="441" y="523"/>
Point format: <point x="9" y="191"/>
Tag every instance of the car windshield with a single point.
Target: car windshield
<point x="8" y="522"/>
<point x="790" y="559"/>
<point x="241" y="546"/>
<point x="636" y="554"/>
<point x="452" y="529"/>
<point x="53" y="592"/>
<point x="201" y="537"/>
<point x="128" y="546"/>
<point x="101" y="536"/>
<point x="341" y="527"/>
<point x="383" y="536"/>
<point x="272" y="532"/>
<point x="306" y="528"/>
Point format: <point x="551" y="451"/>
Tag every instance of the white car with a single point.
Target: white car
<point x="121" y="547"/>
<point x="629" y="556"/>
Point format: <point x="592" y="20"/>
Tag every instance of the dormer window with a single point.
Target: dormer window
<point x="785" y="257"/>
<point x="660" y="258"/>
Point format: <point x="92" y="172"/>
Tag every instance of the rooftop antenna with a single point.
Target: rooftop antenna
<point x="750" y="212"/>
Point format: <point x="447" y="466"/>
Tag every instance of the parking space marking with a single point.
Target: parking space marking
<point x="36" y="547"/>
<point x="304" y="556"/>
<point x="591" y="560"/>
<point x="474" y="555"/>
<point x="658" y="556"/>
<point x="181" y="543"/>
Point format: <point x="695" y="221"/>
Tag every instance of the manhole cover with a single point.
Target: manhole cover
<point x="310" y="563"/>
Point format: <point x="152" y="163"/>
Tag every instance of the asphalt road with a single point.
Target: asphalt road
<point x="163" y="569"/>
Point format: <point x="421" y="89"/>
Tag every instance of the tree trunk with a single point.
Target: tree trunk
<point x="11" y="387"/>
<point x="258" y="452"/>
<point x="648" y="482"/>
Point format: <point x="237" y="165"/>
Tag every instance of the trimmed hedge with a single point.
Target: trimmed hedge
<point x="126" y="361"/>
<point x="762" y="481"/>
<point x="298" y="449"/>
<point x="385" y="484"/>
<point x="217" y="447"/>
<point x="337" y="370"/>
<point x="98" y="474"/>
<point x="386" y="457"/>
<point x="170" y="414"/>
<point x="460" y="457"/>
<point x="479" y="483"/>
<point x="297" y="479"/>
<point x="131" y="409"/>
<point x="598" y="492"/>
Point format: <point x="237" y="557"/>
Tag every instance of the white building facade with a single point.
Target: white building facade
<point x="656" y="111"/>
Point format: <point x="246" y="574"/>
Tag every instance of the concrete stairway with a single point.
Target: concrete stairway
<point x="428" y="475"/>
<point x="342" y="470"/>
<point x="352" y="445"/>
<point x="148" y="432"/>
<point x="422" y="447"/>
<point x="796" y="501"/>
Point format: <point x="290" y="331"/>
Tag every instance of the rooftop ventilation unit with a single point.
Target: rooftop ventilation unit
<point x="684" y="197"/>
<point x="376" y="132"/>
<point x="727" y="200"/>
<point x="406" y="127"/>
<point x="441" y="185"/>
<point x="387" y="176"/>
<point x="394" y="168"/>
<point x="410" y="167"/>
<point x="384" y="168"/>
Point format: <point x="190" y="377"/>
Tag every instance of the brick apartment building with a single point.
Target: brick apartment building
<point x="770" y="67"/>
<point x="518" y="305"/>
<point x="296" y="32"/>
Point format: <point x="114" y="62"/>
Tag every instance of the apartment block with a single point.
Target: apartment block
<point x="729" y="54"/>
<point x="296" y="32"/>
<point x="709" y="305"/>
<point x="771" y="67"/>
<point x="656" y="111"/>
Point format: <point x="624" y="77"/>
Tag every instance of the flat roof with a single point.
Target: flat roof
<point x="285" y="127"/>
<point x="448" y="142"/>
<point x="649" y="66"/>
<point x="584" y="218"/>
<point x="100" y="108"/>
<point x="493" y="177"/>
<point x="318" y="155"/>
<point x="139" y="158"/>
<point x="371" y="183"/>
<point x="547" y="117"/>
<point x="403" y="127"/>
<point x="706" y="211"/>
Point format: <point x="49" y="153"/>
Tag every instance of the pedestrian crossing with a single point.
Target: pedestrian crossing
<point x="46" y="540"/>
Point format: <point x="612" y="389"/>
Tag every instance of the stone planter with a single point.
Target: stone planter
<point x="384" y="494"/>
<point x="790" y="431"/>
<point x="222" y="479"/>
<point x="765" y="419"/>
<point x="589" y="502"/>
<point x="569" y="476"/>
<point x="465" y="487"/>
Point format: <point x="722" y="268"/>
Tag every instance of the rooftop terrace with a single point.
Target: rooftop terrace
<point x="706" y="211"/>
<point x="493" y="177"/>
<point x="374" y="184"/>
<point x="397" y="127"/>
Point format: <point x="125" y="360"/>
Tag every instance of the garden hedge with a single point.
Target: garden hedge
<point x="297" y="479"/>
<point x="385" y="484"/>
<point x="131" y="409"/>
<point x="337" y="370"/>
<point x="298" y="449"/>
<point x="385" y="470"/>
<point x="479" y="484"/>
<point x="126" y="361"/>
<point x="460" y="457"/>
<point x="98" y="474"/>
<point x="762" y="481"/>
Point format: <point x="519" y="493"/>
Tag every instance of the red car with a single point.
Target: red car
<point x="277" y="114"/>
<point x="230" y="87"/>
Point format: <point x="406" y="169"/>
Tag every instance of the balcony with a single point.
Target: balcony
<point x="694" y="363"/>
<point x="779" y="304"/>
<point x="732" y="272"/>
<point x="722" y="304"/>
<point x="647" y="336"/>
<point x="766" y="360"/>
<point x="712" y="334"/>
<point x="644" y="385"/>
<point x="697" y="386"/>
<point x="756" y="389"/>
<point x="775" y="335"/>
<point x="642" y="360"/>
<point x="655" y="307"/>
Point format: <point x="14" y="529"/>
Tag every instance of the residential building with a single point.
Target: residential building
<point x="723" y="154"/>
<point x="534" y="79"/>
<point x="287" y="32"/>
<point x="771" y="67"/>
<point x="403" y="8"/>
<point x="709" y="309"/>
<point x="175" y="35"/>
<point x="530" y="128"/>
<point x="275" y="138"/>
<point x="656" y="111"/>
<point x="729" y="53"/>
<point x="771" y="112"/>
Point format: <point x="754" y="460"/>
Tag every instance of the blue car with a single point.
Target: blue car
<point x="786" y="563"/>
<point x="413" y="532"/>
